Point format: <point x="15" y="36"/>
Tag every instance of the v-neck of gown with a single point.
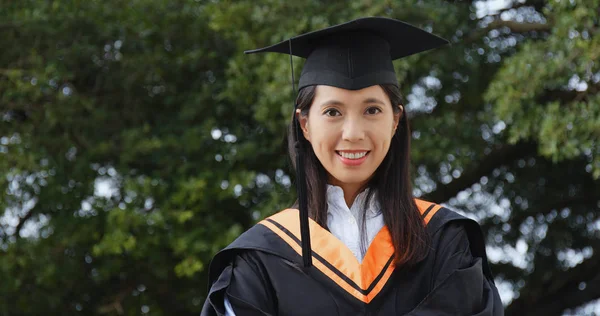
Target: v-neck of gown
<point x="346" y="223"/>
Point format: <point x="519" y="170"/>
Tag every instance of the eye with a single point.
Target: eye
<point x="332" y="112"/>
<point x="373" y="110"/>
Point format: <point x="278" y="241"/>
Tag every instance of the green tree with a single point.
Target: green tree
<point x="136" y="140"/>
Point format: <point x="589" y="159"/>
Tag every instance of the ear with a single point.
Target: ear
<point x="303" y="119"/>
<point x="397" y="117"/>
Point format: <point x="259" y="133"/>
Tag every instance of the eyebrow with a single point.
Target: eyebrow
<point x="374" y="100"/>
<point x="331" y="102"/>
<point x="365" y="101"/>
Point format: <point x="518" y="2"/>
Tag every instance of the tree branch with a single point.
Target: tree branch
<point x="515" y="27"/>
<point x="561" y="292"/>
<point x="518" y="27"/>
<point x="567" y="96"/>
<point x="563" y="202"/>
<point x="500" y="156"/>
<point x="514" y="7"/>
<point x="504" y="154"/>
<point x="22" y="221"/>
<point x="115" y="303"/>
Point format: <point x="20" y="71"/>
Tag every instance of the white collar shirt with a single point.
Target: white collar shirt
<point x="345" y="223"/>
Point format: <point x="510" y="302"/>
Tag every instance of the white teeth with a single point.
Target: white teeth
<point x="352" y="155"/>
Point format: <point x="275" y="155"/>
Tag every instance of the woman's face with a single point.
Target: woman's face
<point x="350" y="131"/>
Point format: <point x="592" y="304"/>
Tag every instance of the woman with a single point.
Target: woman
<point x="369" y="247"/>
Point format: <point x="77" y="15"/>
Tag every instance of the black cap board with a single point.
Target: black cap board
<point x="356" y="54"/>
<point x="353" y="55"/>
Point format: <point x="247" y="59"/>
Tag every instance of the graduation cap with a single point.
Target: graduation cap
<point x="353" y="56"/>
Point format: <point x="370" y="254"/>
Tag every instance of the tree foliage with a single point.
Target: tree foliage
<point x="136" y="140"/>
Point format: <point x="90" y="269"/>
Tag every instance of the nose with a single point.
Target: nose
<point x="354" y="130"/>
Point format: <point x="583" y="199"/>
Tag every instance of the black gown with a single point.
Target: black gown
<point x="261" y="272"/>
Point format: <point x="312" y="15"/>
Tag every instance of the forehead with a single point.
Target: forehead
<point x="327" y="93"/>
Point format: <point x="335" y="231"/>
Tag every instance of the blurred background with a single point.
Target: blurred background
<point x="136" y="140"/>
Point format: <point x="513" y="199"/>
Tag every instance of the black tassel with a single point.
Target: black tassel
<point x="301" y="181"/>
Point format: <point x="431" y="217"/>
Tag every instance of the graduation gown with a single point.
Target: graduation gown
<point x="262" y="273"/>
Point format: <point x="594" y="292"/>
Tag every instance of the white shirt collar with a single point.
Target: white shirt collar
<point x="335" y="200"/>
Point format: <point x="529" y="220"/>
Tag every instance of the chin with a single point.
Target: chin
<point x="351" y="179"/>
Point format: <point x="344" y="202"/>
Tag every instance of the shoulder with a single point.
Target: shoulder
<point x="240" y="278"/>
<point x="262" y="235"/>
<point x="438" y="217"/>
<point x="448" y="227"/>
<point x="460" y="269"/>
<point x="266" y="238"/>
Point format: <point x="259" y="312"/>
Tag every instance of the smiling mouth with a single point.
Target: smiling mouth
<point x="352" y="155"/>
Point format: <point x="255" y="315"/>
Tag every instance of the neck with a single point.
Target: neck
<point x="351" y="191"/>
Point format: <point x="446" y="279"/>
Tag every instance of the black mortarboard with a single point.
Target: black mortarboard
<point x="352" y="55"/>
<point x="356" y="54"/>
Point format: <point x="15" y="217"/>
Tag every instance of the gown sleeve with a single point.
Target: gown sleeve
<point x="243" y="288"/>
<point x="459" y="284"/>
<point x="228" y="308"/>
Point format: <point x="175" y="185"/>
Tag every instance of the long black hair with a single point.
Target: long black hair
<point x="391" y="183"/>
